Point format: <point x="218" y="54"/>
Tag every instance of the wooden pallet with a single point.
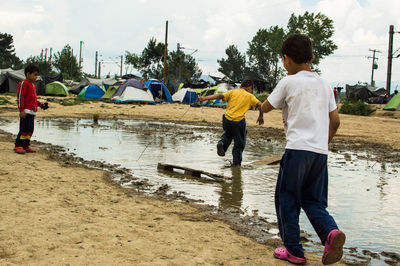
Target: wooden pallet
<point x="190" y="171"/>
<point x="268" y="160"/>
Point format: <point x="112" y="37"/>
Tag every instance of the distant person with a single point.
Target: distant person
<point x="233" y="120"/>
<point x="27" y="106"/>
<point x="310" y="124"/>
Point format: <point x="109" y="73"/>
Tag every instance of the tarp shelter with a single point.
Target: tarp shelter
<point x="9" y="80"/>
<point x="206" y="91"/>
<point x="158" y="90"/>
<point x="393" y="104"/>
<point x="91" y="92"/>
<point x="89" y="81"/>
<point x="56" y="88"/>
<point x="110" y="92"/>
<point x="359" y="92"/>
<point x="185" y="95"/>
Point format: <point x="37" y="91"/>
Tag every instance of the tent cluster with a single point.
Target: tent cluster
<point x="375" y="96"/>
<point x="130" y="90"/>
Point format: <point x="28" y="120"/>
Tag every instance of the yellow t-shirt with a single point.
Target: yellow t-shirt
<point x="239" y="102"/>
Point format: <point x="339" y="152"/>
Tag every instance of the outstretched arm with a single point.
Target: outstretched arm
<point x="211" y="97"/>
<point x="260" y="119"/>
<point x="334" y="123"/>
<point x="266" y="106"/>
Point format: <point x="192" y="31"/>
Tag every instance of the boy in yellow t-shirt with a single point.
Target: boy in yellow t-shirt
<point x="233" y="121"/>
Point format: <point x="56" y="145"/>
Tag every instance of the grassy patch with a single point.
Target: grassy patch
<point x="72" y="101"/>
<point x="96" y="117"/>
<point x="4" y="101"/>
<point x="356" y="108"/>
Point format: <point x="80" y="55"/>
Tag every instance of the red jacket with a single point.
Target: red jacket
<point x="26" y="96"/>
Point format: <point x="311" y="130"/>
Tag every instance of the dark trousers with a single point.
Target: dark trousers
<point x="26" y="127"/>
<point x="302" y="183"/>
<point x="235" y="131"/>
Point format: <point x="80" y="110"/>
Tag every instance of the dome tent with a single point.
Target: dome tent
<point x="56" y="88"/>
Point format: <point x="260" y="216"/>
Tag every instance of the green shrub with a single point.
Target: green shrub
<point x="261" y="96"/>
<point x="357" y="108"/>
<point x="96" y="117"/>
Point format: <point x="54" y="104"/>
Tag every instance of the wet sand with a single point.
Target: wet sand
<point x="57" y="211"/>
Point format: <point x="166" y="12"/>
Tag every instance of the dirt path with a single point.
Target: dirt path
<point x="56" y="213"/>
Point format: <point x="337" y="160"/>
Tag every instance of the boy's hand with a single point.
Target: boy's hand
<point x="201" y="99"/>
<point x="22" y="114"/>
<point x="260" y="120"/>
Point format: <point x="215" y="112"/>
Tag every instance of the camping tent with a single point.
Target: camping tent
<point x="393" y="104"/>
<point x="185" y="95"/>
<point x="91" y="92"/>
<point x="88" y="81"/>
<point x="110" y="92"/>
<point x="9" y="80"/>
<point x="56" y="88"/>
<point x="134" y="95"/>
<point x="158" y="90"/>
<point x="131" y="83"/>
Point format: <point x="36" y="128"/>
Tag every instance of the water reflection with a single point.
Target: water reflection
<point x="231" y="194"/>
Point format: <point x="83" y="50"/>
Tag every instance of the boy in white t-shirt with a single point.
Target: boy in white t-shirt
<point x="310" y="120"/>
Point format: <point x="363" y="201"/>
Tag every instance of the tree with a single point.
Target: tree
<point x="150" y="63"/>
<point x="234" y="65"/>
<point x="7" y="52"/>
<point x="67" y="63"/>
<point x="264" y="55"/>
<point x="45" y="67"/>
<point x="320" y="30"/>
<point x="182" y="67"/>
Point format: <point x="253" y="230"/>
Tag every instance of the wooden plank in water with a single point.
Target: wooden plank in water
<point x="268" y="160"/>
<point x="190" y="171"/>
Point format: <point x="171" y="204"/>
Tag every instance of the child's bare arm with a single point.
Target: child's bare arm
<point x="266" y="106"/>
<point x="211" y="97"/>
<point x="334" y="123"/>
<point x="260" y="119"/>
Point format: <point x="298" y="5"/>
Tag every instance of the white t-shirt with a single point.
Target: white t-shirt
<point x="306" y="101"/>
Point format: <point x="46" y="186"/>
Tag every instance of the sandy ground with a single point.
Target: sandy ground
<point x="54" y="213"/>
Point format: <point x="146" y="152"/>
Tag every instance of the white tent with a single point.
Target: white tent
<point x="185" y="95"/>
<point x="131" y="94"/>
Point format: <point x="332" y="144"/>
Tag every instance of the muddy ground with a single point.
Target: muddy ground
<point x="253" y="227"/>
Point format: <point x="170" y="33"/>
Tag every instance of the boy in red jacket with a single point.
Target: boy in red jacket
<point x="27" y="106"/>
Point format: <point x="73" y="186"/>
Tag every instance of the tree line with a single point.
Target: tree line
<point x="261" y="61"/>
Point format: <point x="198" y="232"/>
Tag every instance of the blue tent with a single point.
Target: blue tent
<point x="91" y="92"/>
<point x="158" y="90"/>
<point x="185" y="95"/>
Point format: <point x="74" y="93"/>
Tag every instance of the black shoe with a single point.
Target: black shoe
<point x="220" y="149"/>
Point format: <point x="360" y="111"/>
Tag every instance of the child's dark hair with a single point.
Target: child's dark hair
<point x="31" y="68"/>
<point x="298" y="47"/>
<point x="247" y="83"/>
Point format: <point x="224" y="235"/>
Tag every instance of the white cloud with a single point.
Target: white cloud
<point x="112" y="27"/>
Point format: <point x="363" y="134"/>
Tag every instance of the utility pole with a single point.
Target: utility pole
<point x="374" y="65"/>
<point x="122" y="61"/>
<point x="72" y="55"/>
<point x="51" y="53"/>
<point x="390" y="56"/>
<point x="80" y="54"/>
<point x="95" y="65"/>
<point x="165" y="53"/>
<point x="45" y="55"/>
<point x="99" y="68"/>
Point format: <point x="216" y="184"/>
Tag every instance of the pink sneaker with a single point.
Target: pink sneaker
<point x="333" y="251"/>
<point x="283" y="254"/>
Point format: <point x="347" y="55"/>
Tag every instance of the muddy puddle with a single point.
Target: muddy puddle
<point x="364" y="191"/>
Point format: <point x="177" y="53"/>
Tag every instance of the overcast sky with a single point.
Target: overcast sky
<point x="208" y="26"/>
